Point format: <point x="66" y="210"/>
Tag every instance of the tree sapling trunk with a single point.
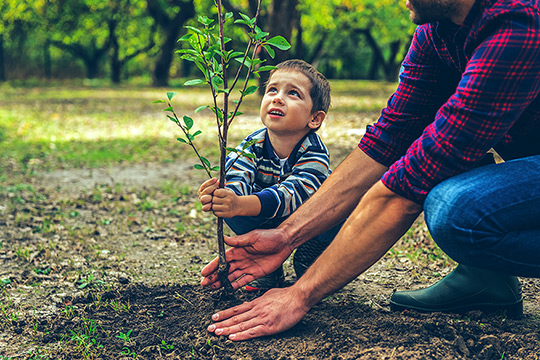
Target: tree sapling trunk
<point x="207" y="49"/>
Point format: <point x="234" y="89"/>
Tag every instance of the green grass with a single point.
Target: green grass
<point x="44" y="128"/>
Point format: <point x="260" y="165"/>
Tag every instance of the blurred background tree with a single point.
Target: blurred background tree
<point x="123" y="39"/>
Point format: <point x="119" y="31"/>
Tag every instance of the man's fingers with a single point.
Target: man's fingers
<point x="244" y="280"/>
<point x="238" y="310"/>
<point x="239" y="326"/>
<point x="211" y="267"/>
<point x="257" y="331"/>
<point x="240" y="240"/>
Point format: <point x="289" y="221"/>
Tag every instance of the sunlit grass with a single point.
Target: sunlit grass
<point x="43" y="128"/>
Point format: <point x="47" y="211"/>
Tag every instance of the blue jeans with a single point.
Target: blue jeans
<point x="489" y="217"/>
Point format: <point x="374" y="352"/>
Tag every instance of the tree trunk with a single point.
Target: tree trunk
<point x="116" y="64"/>
<point x="282" y="19"/>
<point x="164" y="61"/>
<point x="171" y="27"/>
<point x="2" y="63"/>
<point x="47" y="60"/>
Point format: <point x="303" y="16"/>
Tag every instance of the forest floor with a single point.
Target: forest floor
<point x="96" y="270"/>
<point x="102" y="241"/>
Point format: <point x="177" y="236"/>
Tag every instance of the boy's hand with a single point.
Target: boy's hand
<point x="225" y="203"/>
<point x="205" y="193"/>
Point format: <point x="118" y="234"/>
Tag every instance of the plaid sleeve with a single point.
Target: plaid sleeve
<point x="500" y="81"/>
<point x="423" y="87"/>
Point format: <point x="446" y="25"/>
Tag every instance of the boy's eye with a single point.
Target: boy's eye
<point x="271" y="89"/>
<point x="294" y="93"/>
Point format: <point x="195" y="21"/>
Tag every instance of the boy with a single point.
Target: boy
<point x="290" y="163"/>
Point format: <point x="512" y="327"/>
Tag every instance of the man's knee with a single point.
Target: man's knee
<point x="448" y="220"/>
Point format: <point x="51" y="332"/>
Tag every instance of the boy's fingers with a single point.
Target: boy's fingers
<point x="206" y="187"/>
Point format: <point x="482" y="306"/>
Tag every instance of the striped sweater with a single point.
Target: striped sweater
<point x="281" y="190"/>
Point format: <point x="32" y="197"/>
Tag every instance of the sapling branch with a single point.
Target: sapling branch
<point x="206" y="45"/>
<point x="189" y="140"/>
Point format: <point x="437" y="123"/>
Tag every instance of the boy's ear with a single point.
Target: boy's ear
<point x="317" y="119"/>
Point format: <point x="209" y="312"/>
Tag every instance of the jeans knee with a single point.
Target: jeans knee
<point x="447" y="220"/>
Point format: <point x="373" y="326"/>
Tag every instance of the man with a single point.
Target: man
<point x="469" y="83"/>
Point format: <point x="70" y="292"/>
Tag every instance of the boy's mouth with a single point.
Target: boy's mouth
<point x="276" y="112"/>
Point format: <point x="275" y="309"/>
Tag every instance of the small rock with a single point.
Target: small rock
<point x="462" y="347"/>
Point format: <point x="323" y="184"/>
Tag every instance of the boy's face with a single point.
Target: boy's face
<point x="286" y="105"/>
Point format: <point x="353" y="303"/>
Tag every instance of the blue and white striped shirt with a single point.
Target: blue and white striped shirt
<point x="281" y="190"/>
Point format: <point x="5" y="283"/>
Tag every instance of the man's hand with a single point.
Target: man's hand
<point x="252" y="256"/>
<point x="276" y="311"/>
<point x="206" y="192"/>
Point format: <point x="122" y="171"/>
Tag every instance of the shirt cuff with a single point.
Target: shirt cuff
<point x="269" y="203"/>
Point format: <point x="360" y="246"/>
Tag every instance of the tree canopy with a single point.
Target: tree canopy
<point x="123" y="38"/>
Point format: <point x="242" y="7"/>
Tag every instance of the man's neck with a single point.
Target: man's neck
<point x="466" y="6"/>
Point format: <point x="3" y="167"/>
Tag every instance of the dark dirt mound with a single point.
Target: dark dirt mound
<point x="169" y="322"/>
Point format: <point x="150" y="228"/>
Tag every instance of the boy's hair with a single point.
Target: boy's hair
<point x="320" y="88"/>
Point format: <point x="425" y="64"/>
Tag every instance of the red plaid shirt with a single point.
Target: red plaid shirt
<point x="463" y="90"/>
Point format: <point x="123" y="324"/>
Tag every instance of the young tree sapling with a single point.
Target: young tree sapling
<point x="208" y="50"/>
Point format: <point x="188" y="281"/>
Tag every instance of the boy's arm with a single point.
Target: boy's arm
<point x="227" y="204"/>
<point x="308" y="174"/>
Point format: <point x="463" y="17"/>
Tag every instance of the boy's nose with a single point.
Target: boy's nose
<point x="277" y="100"/>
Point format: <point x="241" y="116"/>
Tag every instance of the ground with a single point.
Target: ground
<point x="104" y="264"/>
<point x="102" y="241"/>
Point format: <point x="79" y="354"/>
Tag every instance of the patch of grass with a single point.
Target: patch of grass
<point x="85" y="339"/>
<point x="45" y="127"/>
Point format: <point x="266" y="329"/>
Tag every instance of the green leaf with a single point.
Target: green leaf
<point x="248" y="144"/>
<point x="267" y="68"/>
<point x="198" y="167"/>
<point x="279" y="42"/>
<point x="194" y="29"/>
<point x="205" y="20"/>
<point x="250" y="90"/>
<point x="198" y="132"/>
<point x="242" y="22"/>
<point x="205" y="160"/>
<point x="215" y="168"/>
<point x="236" y="54"/>
<point x="171" y="94"/>
<point x="168" y="109"/>
<point x="193" y="82"/>
<point x="270" y="51"/>
<point x="231" y="149"/>
<point x="182" y="140"/>
<point x="246" y="63"/>
<point x="229" y="15"/>
<point x="188" y="122"/>
<point x="158" y="101"/>
<point x="245" y="17"/>
<point x="217" y="82"/>
<point x="251" y="156"/>
<point x="172" y="119"/>
<point x="200" y="108"/>
<point x="261" y="35"/>
<point x="185" y="37"/>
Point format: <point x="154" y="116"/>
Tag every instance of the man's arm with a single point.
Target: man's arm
<point x="380" y="219"/>
<point x="261" y="251"/>
<point x="335" y="199"/>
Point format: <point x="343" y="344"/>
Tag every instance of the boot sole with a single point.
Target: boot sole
<point x="513" y="311"/>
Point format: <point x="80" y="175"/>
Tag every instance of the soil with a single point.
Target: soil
<point x="104" y="264"/>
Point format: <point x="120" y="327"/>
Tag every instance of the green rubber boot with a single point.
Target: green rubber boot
<point x="464" y="289"/>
